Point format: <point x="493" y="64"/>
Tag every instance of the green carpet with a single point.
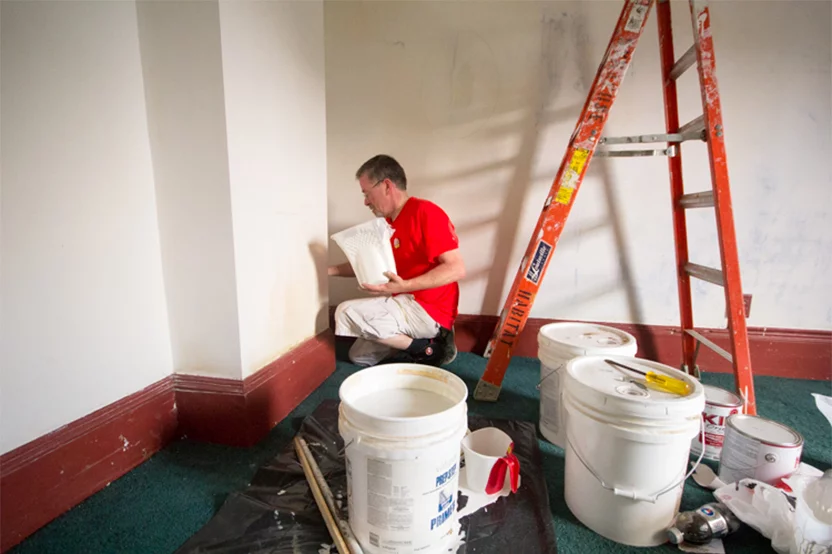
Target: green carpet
<point x="157" y="506"/>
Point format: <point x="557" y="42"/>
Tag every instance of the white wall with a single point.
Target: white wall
<point x="209" y="114"/>
<point x="478" y="100"/>
<point x="273" y="64"/>
<point x="83" y="311"/>
<point x="183" y="79"/>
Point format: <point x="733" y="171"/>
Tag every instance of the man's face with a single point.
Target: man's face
<point x="376" y="195"/>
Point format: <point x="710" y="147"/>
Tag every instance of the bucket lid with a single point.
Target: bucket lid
<point x="586" y="339"/>
<point x="716" y="396"/>
<point x="764" y="430"/>
<point x="595" y="383"/>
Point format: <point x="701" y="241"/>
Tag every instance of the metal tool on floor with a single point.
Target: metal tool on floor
<point x="586" y="141"/>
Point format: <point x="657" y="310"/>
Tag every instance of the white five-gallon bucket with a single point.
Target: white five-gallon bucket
<point x="627" y="448"/>
<point x="557" y="343"/>
<point x="402" y="425"/>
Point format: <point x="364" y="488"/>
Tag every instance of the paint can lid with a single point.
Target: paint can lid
<point x="716" y="396"/>
<point x="764" y="430"/>
<point x="578" y="338"/>
<point x="601" y="387"/>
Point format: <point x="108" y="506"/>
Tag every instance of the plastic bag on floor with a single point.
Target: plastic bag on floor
<point x="277" y="513"/>
<point x="762" y="507"/>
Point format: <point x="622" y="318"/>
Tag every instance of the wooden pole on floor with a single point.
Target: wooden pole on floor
<point x="332" y="526"/>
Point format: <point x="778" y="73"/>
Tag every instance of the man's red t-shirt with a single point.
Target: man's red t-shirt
<point x="423" y="232"/>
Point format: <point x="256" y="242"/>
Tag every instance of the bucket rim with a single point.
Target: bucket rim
<point x="736" y="402"/>
<point x="668" y="424"/>
<point x="417" y="369"/>
<point x="545" y="341"/>
<point x="731" y="421"/>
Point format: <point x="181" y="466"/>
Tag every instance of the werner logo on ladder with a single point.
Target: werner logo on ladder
<point x="583" y="145"/>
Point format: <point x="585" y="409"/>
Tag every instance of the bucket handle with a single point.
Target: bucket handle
<point x="343" y="450"/>
<point x="549" y="375"/>
<point x="635" y="495"/>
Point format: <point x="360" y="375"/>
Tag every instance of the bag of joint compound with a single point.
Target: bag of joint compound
<point x="368" y="250"/>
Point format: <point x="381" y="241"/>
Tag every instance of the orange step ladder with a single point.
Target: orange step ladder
<point x="583" y="145"/>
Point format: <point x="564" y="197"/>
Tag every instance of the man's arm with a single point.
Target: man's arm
<point x="451" y="269"/>
<point x="341" y="270"/>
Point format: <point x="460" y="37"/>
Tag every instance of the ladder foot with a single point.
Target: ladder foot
<point x="487" y="392"/>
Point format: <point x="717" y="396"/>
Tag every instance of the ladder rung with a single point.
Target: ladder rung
<point x="670" y="151"/>
<point x="698" y="200"/>
<point x="640" y="139"/>
<point x="712" y="345"/>
<point x="683" y="63"/>
<point x="705" y="273"/>
<point x="693" y="127"/>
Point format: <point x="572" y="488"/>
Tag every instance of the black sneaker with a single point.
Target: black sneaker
<point x="448" y="345"/>
<point x="426" y="351"/>
<point x="420" y="351"/>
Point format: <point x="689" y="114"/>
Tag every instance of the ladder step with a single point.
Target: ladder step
<point x="661" y="137"/>
<point x="683" y="63"/>
<point x="705" y="273"/>
<point x="697" y="200"/>
<point x="693" y="127"/>
<point x="670" y="151"/>
<point x="640" y="139"/>
<point x="712" y="345"/>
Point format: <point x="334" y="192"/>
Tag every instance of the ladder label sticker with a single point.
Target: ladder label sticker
<point x="569" y="182"/>
<point x="539" y="260"/>
<point x="579" y="160"/>
<point x="637" y="15"/>
<point x="564" y="194"/>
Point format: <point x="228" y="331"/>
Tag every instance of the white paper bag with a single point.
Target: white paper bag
<point x="367" y="247"/>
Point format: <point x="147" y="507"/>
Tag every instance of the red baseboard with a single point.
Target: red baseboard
<point x="792" y="353"/>
<point x="46" y="477"/>
<point x="240" y="413"/>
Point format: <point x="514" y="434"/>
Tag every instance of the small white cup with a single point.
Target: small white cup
<point x="484" y="449"/>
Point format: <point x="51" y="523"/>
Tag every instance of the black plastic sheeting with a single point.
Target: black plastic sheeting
<point x="276" y="513"/>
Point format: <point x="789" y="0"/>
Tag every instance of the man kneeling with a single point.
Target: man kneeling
<point x="411" y="318"/>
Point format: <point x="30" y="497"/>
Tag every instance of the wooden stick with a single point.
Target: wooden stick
<point x="331" y="525"/>
<point x="346" y="531"/>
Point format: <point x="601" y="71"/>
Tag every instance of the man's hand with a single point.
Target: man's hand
<point x="397" y="285"/>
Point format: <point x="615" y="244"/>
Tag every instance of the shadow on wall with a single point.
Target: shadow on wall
<point x="318" y="251"/>
<point x="564" y="43"/>
<point x="545" y="93"/>
<point x="647" y="347"/>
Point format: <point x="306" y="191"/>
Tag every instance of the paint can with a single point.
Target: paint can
<point x="627" y="448"/>
<point x="758" y="448"/>
<point x="402" y="426"/>
<point x="557" y="343"/>
<point x="719" y="405"/>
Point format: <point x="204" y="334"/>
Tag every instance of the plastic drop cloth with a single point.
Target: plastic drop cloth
<point x="276" y="513"/>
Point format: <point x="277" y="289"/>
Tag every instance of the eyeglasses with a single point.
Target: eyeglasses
<point x="372" y="187"/>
